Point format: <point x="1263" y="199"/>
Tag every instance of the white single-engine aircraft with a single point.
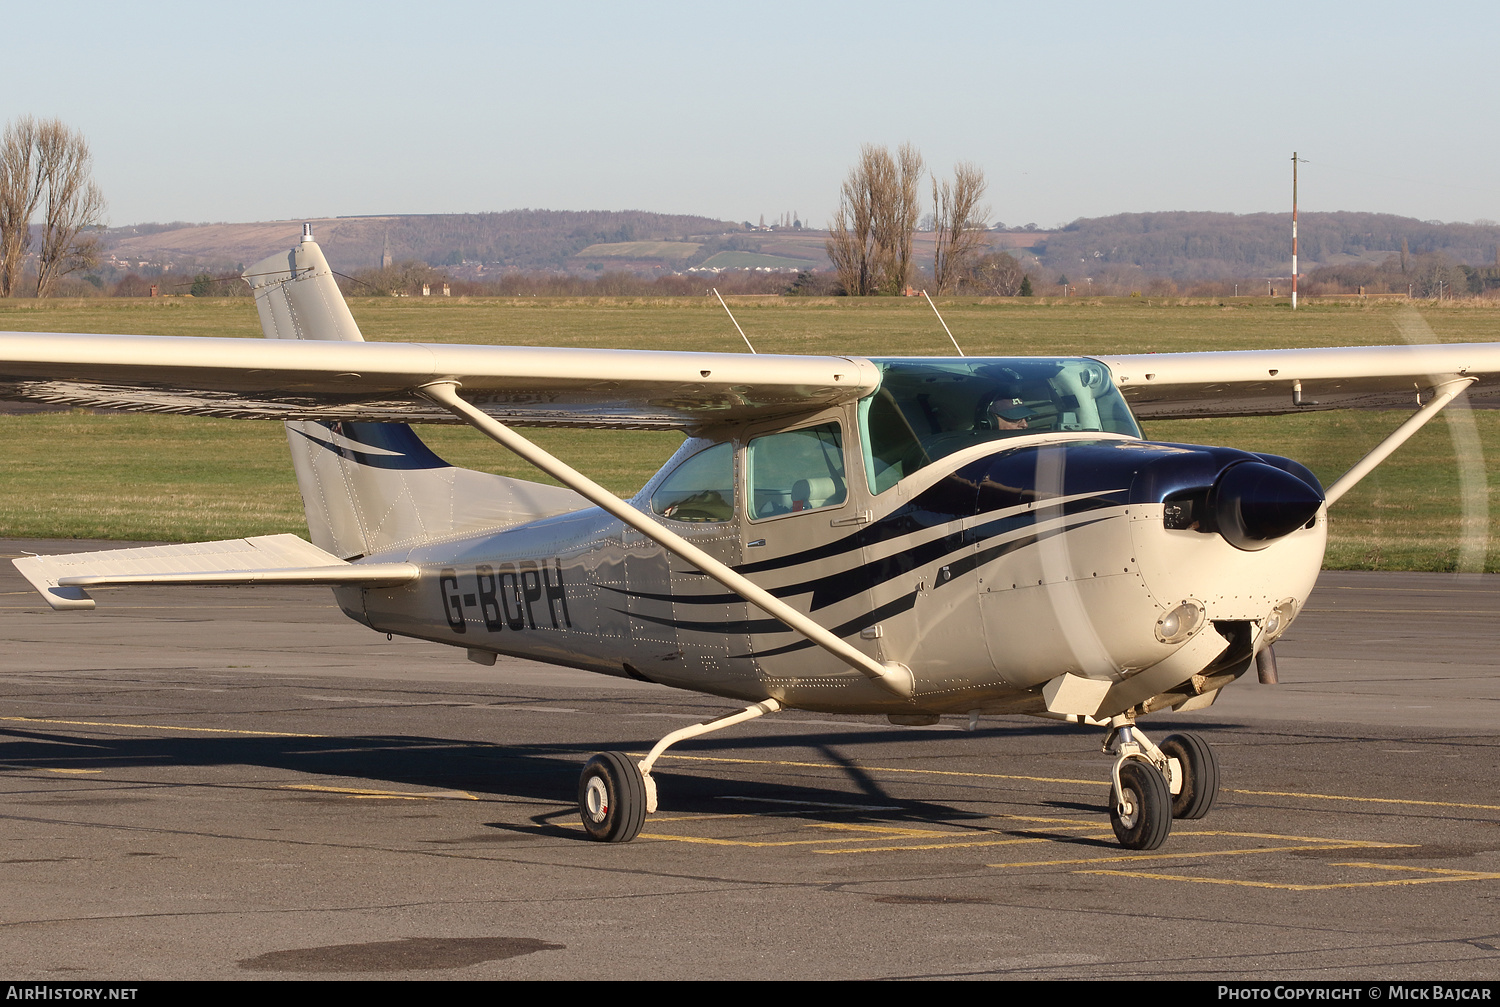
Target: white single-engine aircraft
<point x="909" y="537"/>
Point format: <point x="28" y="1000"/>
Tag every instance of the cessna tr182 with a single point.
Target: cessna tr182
<point x="908" y="537"/>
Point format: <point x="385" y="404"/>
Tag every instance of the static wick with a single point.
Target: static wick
<point x="944" y="324"/>
<point x="731" y="318"/>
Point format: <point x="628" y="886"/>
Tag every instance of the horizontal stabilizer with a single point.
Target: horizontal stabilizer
<point x="265" y="559"/>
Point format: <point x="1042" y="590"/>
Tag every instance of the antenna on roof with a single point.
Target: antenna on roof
<point x="944" y="324"/>
<point x="731" y="318"/>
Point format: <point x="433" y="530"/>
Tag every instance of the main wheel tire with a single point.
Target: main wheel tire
<point x="612" y="798"/>
<point x="1200" y="774"/>
<point x="1147" y="818"/>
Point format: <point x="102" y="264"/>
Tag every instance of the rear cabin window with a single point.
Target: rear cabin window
<point x="699" y="489"/>
<point x="798" y="470"/>
<point x="925" y="409"/>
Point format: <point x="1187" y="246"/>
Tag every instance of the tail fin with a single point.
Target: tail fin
<point x="375" y="487"/>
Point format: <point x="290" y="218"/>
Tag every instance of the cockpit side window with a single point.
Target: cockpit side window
<point x="796" y="470"/>
<point x="892" y="448"/>
<point x="700" y="488"/>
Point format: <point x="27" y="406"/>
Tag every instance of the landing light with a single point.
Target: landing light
<point x="1277" y="622"/>
<point x="1180" y="623"/>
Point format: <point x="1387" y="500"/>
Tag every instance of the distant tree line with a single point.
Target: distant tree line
<point x="406" y="279"/>
<point x="1430" y="275"/>
<point x="1189" y="246"/>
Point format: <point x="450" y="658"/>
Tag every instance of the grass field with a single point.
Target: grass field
<point x="641" y="250"/>
<point x="170" y="478"/>
<point x="753" y="260"/>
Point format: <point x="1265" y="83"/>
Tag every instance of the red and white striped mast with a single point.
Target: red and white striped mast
<point x="1294" y="230"/>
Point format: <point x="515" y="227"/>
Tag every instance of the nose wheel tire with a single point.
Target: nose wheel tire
<point x="1200" y="774"/>
<point x="612" y="798"/>
<point x="1143" y="818"/>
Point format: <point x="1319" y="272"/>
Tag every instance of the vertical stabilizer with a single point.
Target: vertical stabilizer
<point x="375" y="487"/>
<point x="297" y="296"/>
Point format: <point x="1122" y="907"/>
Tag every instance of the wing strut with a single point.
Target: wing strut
<point x="897" y="678"/>
<point x="1445" y="393"/>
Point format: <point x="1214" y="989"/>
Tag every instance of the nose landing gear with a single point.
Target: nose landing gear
<point x="1199" y="772"/>
<point x="1140" y="808"/>
<point x="1152" y="785"/>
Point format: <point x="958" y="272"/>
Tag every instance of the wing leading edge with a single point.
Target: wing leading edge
<point x="1267" y="382"/>
<point x="287" y="379"/>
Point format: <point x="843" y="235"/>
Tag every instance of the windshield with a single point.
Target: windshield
<point x="925" y="409"/>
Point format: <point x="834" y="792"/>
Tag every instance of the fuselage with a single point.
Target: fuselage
<point x="995" y="562"/>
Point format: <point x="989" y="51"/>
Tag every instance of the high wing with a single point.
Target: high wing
<point x="537" y="386"/>
<point x="1267" y="382"/>
<point x="293" y="379"/>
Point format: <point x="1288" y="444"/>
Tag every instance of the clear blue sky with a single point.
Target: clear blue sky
<point x="262" y="111"/>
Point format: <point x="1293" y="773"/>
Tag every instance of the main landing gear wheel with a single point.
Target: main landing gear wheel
<point x="612" y="798"/>
<point x="1142" y="820"/>
<point x="1200" y="774"/>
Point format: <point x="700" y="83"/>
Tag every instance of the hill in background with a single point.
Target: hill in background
<point x="1198" y="245"/>
<point x="1180" y="246"/>
<point x="514" y="239"/>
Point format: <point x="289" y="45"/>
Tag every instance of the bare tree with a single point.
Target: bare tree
<point x="901" y="217"/>
<point x="21" y="186"/>
<point x="46" y="165"/>
<point x="869" y="239"/>
<point x="997" y="274"/>
<point x="851" y="240"/>
<point x="961" y="223"/>
<point x="74" y="205"/>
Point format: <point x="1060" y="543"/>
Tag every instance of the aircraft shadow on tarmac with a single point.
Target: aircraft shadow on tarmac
<point x="547" y="773"/>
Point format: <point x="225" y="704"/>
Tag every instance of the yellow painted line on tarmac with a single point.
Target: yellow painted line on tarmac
<point x="1467" y="875"/>
<point x="706" y="841"/>
<point x="867" y="832"/>
<point x="958" y="840"/>
<point x="945" y="846"/>
<point x="1197" y="855"/>
<point x="1368" y="843"/>
<point x="47" y="769"/>
<point x="1304" y="843"/>
<point x="1441" y="877"/>
<point x="1059" y="824"/>
<point x="385" y="795"/>
<point x="1366" y="800"/>
<point x="1064" y="779"/>
<point x="159" y="727"/>
<point x="885" y="769"/>
<point x="879" y="830"/>
<point x="886" y="830"/>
